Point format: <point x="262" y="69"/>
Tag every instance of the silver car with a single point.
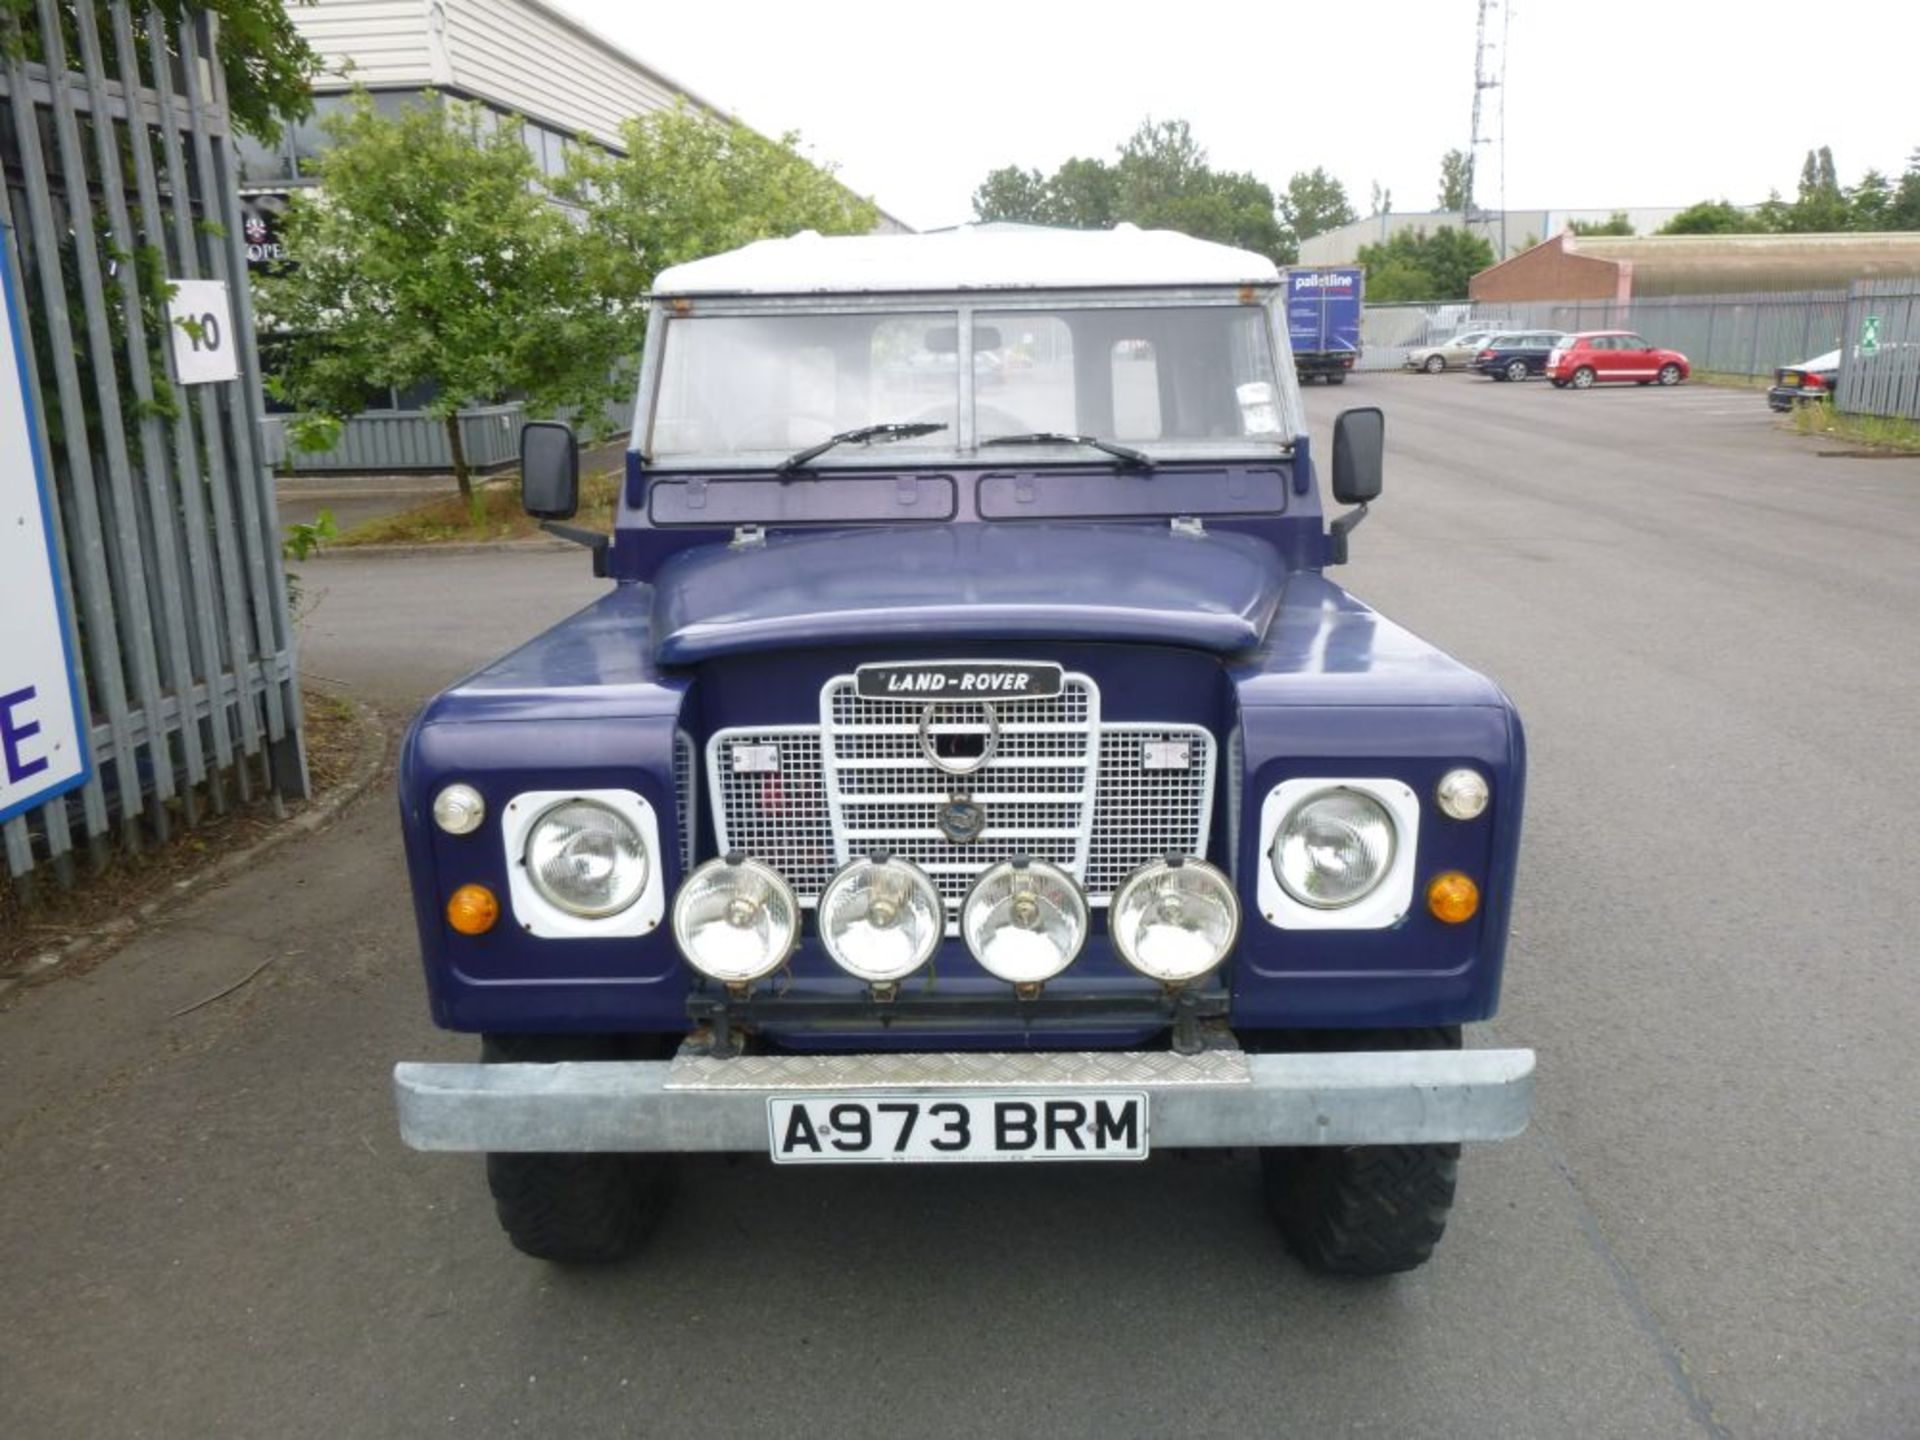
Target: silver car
<point x="1454" y="354"/>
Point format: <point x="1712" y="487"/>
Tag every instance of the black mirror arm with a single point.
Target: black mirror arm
<point x="592" y="539"/>
<point x="1337" y="532"/>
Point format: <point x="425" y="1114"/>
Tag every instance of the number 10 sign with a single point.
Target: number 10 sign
<point x="202" y="324"/>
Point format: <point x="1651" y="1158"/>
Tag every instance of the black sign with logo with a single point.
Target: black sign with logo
<point x="960" y="680"/>
<point x="260" y="228"/>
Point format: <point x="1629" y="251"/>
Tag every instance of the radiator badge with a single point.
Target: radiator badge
<point x="953" y="680"/>
<point x="961" y="821"/>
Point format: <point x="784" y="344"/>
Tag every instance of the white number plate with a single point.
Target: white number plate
<point x="924" y="1129"/>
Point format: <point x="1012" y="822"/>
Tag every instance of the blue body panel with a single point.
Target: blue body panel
<point x="1237" y="631"/>
<point x="968" y="582"/>
<point x="1324" y="307"/>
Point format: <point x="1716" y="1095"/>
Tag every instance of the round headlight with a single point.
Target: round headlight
<point x="1175" y="921"/>
<point x="1333" y="848"/>
<point x="1463" y="794"/>
<point x="458" y="809"/>
<point x="1024" y="920"/>
<point x="736" y="920"/>
<point x="586" y="859"/>
<point x="881" y="919"/>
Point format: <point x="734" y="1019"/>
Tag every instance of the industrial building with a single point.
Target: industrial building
<point x="1640" y="267"/>
<point x="1509" y="232"/>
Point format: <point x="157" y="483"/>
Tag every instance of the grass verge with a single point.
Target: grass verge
<point x="1889" y="434"/>
<point x="494" y="515"/>
<point x="1725" y="380"/>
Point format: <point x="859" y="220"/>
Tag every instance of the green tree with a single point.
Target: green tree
<point x="1904" y="211"/>
<point x="1820" y="206"/>
<point x="1011" y="193"/>
<point x="1615" y="224"/>
<point x="1870" y="203"/>
<point x="1160" y="180"/>
<point x="1314" y="203"/>
<point x="1381" y="200"/>
<point x="1713" y="217"/>
<point x="1413" y="265"/>
<point x="1456" y="181"/>
<point x="1083" y="193"/>
<point x="690" y="185"/>
<point x="431" y="255"/>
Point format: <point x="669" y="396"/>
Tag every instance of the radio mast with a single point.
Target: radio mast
<point x="1489" y="73"/>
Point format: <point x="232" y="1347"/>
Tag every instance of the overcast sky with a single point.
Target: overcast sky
<point x="1611" y="105"/>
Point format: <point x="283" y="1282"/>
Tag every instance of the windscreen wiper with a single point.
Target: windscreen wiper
<point x="1134" y="459"/>
<point x="865" y="435"/>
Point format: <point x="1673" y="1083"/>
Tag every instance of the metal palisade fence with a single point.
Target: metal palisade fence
<point x="1880" y="364"/>
<point x="1730" y="334"/>
<point x="119" y="170"/>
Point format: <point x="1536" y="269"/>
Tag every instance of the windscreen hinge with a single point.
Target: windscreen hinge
<point x="748" y="537"/>
<point x="1187" y="525"/>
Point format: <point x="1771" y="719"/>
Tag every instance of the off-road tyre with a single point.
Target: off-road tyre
<point x="1359" y="1210"/>
<point x="1435" y="364"/>
<point x="577" y="1209"/>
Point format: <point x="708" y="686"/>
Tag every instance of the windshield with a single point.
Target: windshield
<point x="1169" y="380"/>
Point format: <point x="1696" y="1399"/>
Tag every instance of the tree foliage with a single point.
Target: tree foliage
<point x="434" y="254"/>
<point x="430" y="255"/>
<point x="1820" y="204"/>
<point x="1413" y="265"/>
<point x="1711" y="217"/>
<point x="1615" y="224"/>
<point x="1160" y="179"/>
<point x="1456" y="181"/>
<point x="691" y="185"/>
<point x="1314" y="203"/>
<point x="268" y="68"/>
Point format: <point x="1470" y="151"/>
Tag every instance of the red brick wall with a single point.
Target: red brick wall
<point x="1549" y="272"/>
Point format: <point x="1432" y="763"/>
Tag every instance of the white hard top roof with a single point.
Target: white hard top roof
<point x="971" y="257"/>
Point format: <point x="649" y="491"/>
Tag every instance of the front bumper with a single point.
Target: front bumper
<point x="1218" y="1098"/>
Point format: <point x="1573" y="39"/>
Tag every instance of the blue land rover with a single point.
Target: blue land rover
<point x="970" y="760"/>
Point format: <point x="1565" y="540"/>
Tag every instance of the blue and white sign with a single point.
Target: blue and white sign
<point x="43" y="726"/>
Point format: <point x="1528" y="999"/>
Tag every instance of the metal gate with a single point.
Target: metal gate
<point x="1880" y="363"/>
<point x="120" y="175"/>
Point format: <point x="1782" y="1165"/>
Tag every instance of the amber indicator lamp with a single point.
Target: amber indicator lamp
<point x="472" y="910"/>
<point x="1452" y="897"/>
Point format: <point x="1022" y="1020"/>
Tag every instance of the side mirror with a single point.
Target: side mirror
<point x="1359" y="455"/>
<point x="549" y="470"/>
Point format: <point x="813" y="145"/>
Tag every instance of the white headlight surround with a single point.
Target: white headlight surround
<point x="1025" y="921"/>
<point x="1175" y="920"/>
<point x="1463" y="794"/>
<point x="535" y="909"/>
<point x="459" y="809"/>
<point x="1386" y="902"/>
<point x="736" y="920"/>
<point x="881" y="918"/>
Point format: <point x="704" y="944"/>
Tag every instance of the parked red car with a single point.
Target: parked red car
<point x="1596" y="355"/>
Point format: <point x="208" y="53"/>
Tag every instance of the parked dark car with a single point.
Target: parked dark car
<point x="1517" y="355"/>
<point x="1807" y="383"/>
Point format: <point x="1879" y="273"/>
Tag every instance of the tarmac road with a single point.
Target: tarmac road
<point x="207" y="1226"/>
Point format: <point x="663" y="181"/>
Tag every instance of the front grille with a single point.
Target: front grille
<point x="1060" y="786"/>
